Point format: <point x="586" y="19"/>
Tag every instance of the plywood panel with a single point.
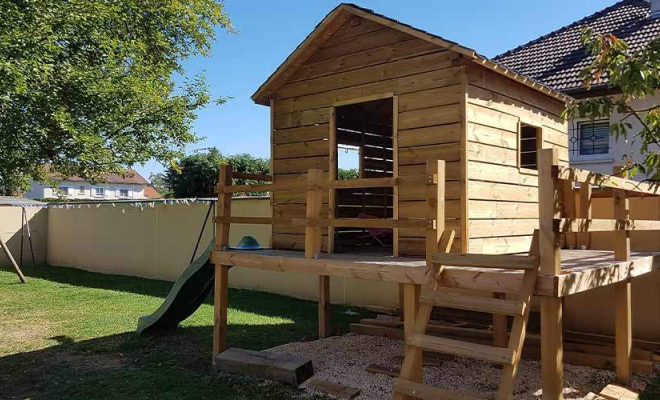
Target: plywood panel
<point x="379" y="38"/>
<point x="500" y="173"/>
<point x="381" y="72"/>
<point x="492" y="136"/>
<point x="449" y="114"/>
<point x="502" y="227"/>
<point x="502" y="192"/>
<point x="500" y="209"/>
<point x="431" y="135"/>
<point x="301" y="149"/>
<point x="503" y="245"/>
<point x="493" y="118"/>
<point x="301" y="134"/>
<point x="492" y="154"/>
<point x="431" y="98"/>
<point x="419" y="155"/>
<point x="297" y="119"/>
<point x="380" y="55"/>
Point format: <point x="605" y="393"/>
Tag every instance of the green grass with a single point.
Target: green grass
<point x="69" y="334"/>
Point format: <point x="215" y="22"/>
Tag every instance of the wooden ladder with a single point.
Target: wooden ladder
<point x="409" y="383"/>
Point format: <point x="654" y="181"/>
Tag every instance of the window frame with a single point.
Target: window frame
<point x="120" y="190"/>
<point x="96" y="189"/>
<point x="579" y="126"/>
<point x="539" y="146"/>
<point x="81" y="189"/>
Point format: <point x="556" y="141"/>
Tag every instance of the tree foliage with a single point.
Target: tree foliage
<point x="87" y="86"/>
<point x="347" y="173"/>
<point x="196" y="175"/>
<point x="637" y="76"/>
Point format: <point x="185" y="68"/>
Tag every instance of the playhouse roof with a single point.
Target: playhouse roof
<point x="329" y="25"/>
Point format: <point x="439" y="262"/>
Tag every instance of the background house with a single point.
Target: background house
<point x="557" y="58"/>
<point x="116" y="187"/>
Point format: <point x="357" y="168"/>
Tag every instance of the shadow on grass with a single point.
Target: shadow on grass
<point x="171" y="365"/>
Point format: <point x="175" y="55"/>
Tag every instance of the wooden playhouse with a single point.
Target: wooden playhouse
<point x="455" y="154"/>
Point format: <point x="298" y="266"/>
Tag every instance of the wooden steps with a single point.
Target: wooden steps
<point x="473" y="303"/>
<point x="426" y="392"/>
<point x="460" y="348"/>
<point x="292" y="370"/>
<point x="409" y="384"/>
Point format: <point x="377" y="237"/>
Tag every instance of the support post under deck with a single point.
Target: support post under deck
<point x="552" y="352"/>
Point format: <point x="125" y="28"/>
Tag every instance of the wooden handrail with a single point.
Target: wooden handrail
<point x="324" y="223"/>
<point x="261" y="220"/>
<point x="583" y="176"/>
<point x="252" y="177"/>
<point x="485" y="260"/>
<point x="604" y="225"/>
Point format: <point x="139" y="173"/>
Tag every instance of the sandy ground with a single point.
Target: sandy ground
<point x="343" y="359"/>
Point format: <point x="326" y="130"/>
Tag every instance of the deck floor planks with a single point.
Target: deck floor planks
<point x="582" y="270"/>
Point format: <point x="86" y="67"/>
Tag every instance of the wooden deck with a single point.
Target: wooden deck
<point x="582" y="270"/>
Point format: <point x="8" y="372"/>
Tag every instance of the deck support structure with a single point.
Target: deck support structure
<point x="622" y="295"/>
<point x="552" y="368"/>
<point x="220" y="291"/>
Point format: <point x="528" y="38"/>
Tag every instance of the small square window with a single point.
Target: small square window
<point x="99" y="192"/>
<point x="123" y="192"/>
<point x="64" y="190"/>
<point x="530" y="141"/>
<point x="594" y="138"/>
<point x="81" y="190"/>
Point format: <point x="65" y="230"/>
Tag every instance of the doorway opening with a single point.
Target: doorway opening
<point x="365" y="149"/>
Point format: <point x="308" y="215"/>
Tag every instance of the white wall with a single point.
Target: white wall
<point x="82" y="190"/>
<point x="604" y="163"/>
<point x="10" y="230"/>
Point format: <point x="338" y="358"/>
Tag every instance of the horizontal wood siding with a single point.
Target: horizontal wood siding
<point x="365" y="59"/>
<point x="503" y="200"/>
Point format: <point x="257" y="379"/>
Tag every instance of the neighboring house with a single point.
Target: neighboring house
<point x="557" y="58"/>
<point x="116" y="187"/>
<point x="151" y="193"/>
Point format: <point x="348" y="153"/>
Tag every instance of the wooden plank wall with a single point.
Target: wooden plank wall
<point x="367" y="59"/>
<point x="503" y="201"/>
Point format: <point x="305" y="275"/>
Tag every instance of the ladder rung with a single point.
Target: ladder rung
<point x="485" y="261"/>
<point x="460" y="348"/>
<point x="426" y="392"/>
<point x="475" y="303"/>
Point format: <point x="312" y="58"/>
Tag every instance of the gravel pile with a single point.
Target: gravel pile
<point x="343" y="359"/>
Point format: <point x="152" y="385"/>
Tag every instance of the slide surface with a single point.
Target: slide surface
<point x="187" y="294"/>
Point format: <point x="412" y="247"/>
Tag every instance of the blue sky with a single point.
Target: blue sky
<point x="270" y="31"/>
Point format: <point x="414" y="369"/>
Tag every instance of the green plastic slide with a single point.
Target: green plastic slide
<point x="188" y="293"/>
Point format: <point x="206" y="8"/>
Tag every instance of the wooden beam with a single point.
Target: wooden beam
<point x="314" y="211"/>
<point x="584" y="238"/>
<point x="500" y="326"/>
<point x="324" y="306"/>
<point x="605" y="225"/>
<point x="552" y="379"/>
<point x="224" y="207"/>
<point x="12" y="261"/>
<point x="220" y="301"/>
<point x="332" y="176"/>
<point x="622" y="294"/>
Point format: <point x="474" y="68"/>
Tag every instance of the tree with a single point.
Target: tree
<point x="347" y="173"/>
<point x="636" y="76"/>
<point x="196" y="175"/>
<point x="87" y="86"/>
<point x="158" y="182"/>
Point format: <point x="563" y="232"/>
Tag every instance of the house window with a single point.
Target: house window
<point x="64" y="190"/>
<point x="123" y="192"/>
<point x="99" y="192"/>
<point x="530" y="142"/>
<point x="594" y="138"/>
<point x="81" y="190"/>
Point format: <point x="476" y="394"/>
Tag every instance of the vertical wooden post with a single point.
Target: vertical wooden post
<point x="435" y="207"/>
<point x="622" y="293"/>
<point x="550" y="258"/>
<point x="332" y="193"/>
<point x="500" y="326"/>
<point x="584" y="238"/>
<point x="395" y="173"/>
<point x="313" y="244"/>
<point x="570" y="211"/>
<point x="220" y="291"/>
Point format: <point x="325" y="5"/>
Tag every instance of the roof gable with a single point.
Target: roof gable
<point x="333" y="22"/>
<point x="557" y="58"/>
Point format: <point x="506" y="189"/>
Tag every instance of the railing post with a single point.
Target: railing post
<point x="221" y="282"/>
<point x="550" y="258"/>
<point x="313" y="244"/>
<point x="435" y="207"/>
<point x="622" y="292"/>
<point x="584" y="238"/>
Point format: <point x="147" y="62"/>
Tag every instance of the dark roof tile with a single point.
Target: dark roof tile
<point x="557" y="58"/>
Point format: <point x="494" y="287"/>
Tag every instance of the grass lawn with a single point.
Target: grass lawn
<point x="69" y="334"/>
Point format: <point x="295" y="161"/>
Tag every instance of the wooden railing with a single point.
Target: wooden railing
<point x="315" y="219"/>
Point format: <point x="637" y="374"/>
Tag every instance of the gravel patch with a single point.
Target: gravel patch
<point x="343" y="359"/>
